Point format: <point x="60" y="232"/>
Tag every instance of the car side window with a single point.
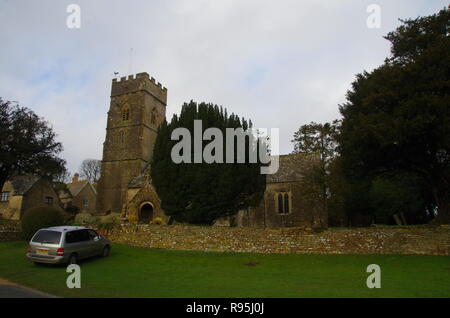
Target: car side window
<point x="84" y="235"/>
<point x="92" y="234"/>
<point x="72" y="237"/>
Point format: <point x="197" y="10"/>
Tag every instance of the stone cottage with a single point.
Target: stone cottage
<point x="81" y="195"/>
<point x="23" y="192"/>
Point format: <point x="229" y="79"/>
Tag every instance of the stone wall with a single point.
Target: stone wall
<point x="10" y="231"/>
<point x="420" y="240"/>
<point x="8" y="236"/>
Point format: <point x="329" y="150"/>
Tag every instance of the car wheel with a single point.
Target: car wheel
<point x="106" y="251"/>
<point x="73" y="259"/>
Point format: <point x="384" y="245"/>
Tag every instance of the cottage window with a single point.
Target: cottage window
<point x="4" y="197"/>
<point x="49" y="200"/>
<point x="85" y="203"/>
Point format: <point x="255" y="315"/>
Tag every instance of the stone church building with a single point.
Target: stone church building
<point x="137" y="108"/>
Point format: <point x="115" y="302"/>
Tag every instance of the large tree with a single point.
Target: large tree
<point x="27" y="144"/>
<point x="396" y="120"/>
<point x="91" y="169"/>
<point x="321" y="138"/>
<point x="200" y="193"/>
<point x="316" y="137"/>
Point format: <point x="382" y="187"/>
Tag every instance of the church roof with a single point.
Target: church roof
<point x="142" y="178"/>
<point x="292" y="167"/>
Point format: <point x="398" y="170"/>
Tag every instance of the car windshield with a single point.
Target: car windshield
<point x="46" y="236"/>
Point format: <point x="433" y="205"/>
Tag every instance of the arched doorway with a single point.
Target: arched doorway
<point x="146" y="213"/>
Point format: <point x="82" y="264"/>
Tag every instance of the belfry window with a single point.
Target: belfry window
<point x="125" y="113"/>
<point x="153" y="116"/>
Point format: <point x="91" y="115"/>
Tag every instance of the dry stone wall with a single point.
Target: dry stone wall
<point x="10" y="231"/>
<point x="420" y="240"/>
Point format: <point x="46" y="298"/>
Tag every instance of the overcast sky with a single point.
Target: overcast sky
<point x="281" y="63"/>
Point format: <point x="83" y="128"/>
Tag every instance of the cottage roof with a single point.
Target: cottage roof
<point x="76" y="187"/>
<point x="22" y="184"/>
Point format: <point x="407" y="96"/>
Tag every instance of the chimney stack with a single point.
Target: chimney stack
<point x="75" y="177"/>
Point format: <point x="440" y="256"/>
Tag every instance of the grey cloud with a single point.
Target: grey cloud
<point x="281" y="63"/>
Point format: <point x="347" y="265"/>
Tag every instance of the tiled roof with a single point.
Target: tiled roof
<point x="22" y="184"/>
<point x="142" y="178"/>
<point x="76" y="187"/>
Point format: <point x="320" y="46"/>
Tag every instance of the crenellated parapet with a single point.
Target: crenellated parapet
<point x="139" y="82"/>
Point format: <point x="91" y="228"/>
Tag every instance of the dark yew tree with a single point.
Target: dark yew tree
<point x="396" y="120"/>
<point x="199" y="193"/>
<point x="27" y="144"/>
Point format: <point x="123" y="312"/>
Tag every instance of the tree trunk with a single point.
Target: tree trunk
<point x="402" y="216"/>
<point x="397" y="219"/>
<point x="442" y="200"/>
<point x="443" y="216"/>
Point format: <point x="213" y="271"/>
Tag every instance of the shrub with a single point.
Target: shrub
<point x="40" y="217"/>
<point x="72" y="209"/>
<point x="157" y="221"/>
<point x="107" y="222"/>
<point x="85" y="218"/>
<point x="132" y="218"/>
<point x="110" y="218"/>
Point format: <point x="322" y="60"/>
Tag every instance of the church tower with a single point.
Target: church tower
<point x="138" y="107"/>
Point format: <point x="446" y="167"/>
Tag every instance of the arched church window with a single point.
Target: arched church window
<point x="280" y="203"/>
<point x="283" y="203"/>
<point x="286" y="203"/>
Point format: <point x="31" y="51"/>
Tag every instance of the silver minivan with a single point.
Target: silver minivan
<point x="66" y="244"/>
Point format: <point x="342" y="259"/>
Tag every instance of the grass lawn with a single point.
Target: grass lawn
<point x="141" y="272"/>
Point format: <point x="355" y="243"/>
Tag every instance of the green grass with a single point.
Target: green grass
<point x="141" y="272"/>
